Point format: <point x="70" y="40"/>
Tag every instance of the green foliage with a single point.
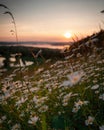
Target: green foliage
<point x="65" y="94"/>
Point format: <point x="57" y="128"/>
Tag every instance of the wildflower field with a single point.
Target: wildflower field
<point x="65" y="95"/>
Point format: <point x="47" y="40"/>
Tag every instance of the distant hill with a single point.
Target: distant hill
<point x="51" y="45"/>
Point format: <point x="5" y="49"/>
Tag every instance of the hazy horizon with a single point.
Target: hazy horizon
<point x="51" y="45"/>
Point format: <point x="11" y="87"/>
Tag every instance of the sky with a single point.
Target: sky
<point x="49" y="20"/>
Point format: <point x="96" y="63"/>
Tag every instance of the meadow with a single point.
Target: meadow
<point x="67" y="94"/>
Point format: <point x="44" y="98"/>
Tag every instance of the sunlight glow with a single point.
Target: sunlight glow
<point x="67" y="35"/>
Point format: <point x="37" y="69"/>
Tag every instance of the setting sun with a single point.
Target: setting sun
<point x="67" y="35"/>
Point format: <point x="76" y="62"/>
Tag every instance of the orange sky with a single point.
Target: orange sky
<point x="50" y="20"/>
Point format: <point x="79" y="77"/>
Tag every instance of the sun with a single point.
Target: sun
<point x="67" y="35"/>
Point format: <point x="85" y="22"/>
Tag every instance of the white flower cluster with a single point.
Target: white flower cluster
<point x="78" y="105"/>
<point x="66" y="98"/>
<point x="73" y="78"/>
<point x="40" y="103"/>
<point x="33" y="120"/>
<point x="16" y="127"/>
<point x="89" y="120"/>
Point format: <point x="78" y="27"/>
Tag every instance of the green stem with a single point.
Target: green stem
<point x="66" y="127"/>
<point x="44" y="124"/>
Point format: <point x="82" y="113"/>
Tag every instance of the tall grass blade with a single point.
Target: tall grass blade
<point x="2" y="5"/>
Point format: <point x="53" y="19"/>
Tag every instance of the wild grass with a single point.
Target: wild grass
<point x="55" y="96"/>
